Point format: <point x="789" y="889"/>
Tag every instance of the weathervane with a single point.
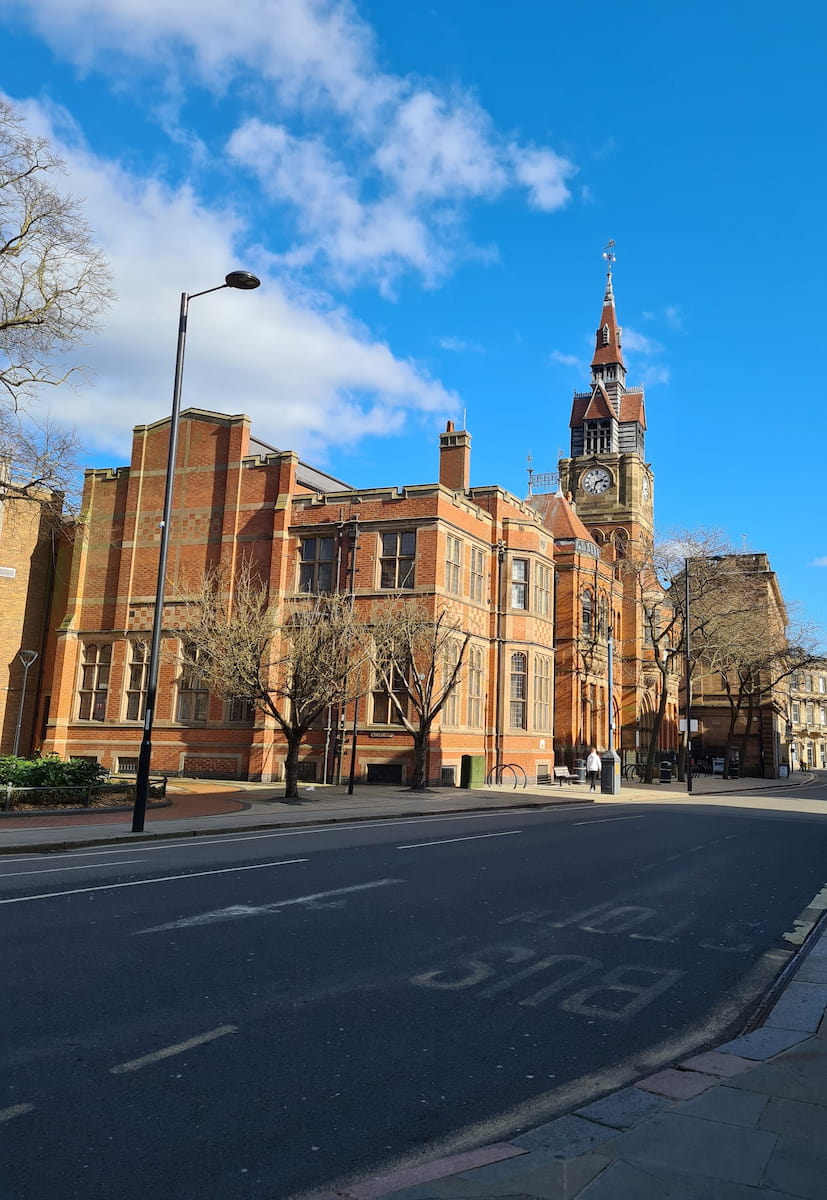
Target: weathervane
<point x="609" y="254"/>
<point x="530" y="462"/>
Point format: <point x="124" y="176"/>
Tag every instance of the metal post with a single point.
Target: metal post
<point x="353" y="545"/>
<point x="27" y="657"/>
<point x="688" y="669"/>
<point x="611" y="692"/>
<point x="142" y="777"/>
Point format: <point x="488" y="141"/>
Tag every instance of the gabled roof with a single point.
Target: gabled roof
<point x="633" y="408"/>
<point x="558" y="516"/>
<point x="599" y="407"/>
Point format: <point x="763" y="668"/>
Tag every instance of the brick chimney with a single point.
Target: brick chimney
<point x="455" y="458"/>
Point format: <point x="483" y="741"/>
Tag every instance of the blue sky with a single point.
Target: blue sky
<point x="425" y="191"/>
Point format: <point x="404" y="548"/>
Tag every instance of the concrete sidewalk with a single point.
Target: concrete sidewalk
<point x="203" y="807"/>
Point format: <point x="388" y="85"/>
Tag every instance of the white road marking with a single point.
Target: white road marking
<point x="474" y="837"/>
<point x="608" y="820"/>
<point x="106" y="887"/>
<point x="59" y="870"/>
<point x="135" y="1064"/>
<point x="234" y="911"/>
<point x="187" y="840"/>
<point x="16" y="1110"/>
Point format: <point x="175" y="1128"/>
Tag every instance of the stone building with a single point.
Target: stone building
<point x="806" y="730"/>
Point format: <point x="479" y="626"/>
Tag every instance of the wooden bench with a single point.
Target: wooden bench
<point x="564" y="774"/>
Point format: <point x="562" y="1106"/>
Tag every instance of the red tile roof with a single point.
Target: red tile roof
<point x="559" y="517"/>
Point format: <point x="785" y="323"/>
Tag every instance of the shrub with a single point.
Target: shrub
<point x="50" y="771"/>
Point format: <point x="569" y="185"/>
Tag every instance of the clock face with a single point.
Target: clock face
<point x="595" y="480"/>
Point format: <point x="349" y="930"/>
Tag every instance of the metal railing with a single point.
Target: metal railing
<point x="77" y="797"/>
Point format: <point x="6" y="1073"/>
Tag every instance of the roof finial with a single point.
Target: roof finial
<point x="610" y="257"/>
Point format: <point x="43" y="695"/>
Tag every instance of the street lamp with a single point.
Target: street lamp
<point x="27" y="657"/>
<point x="245" y="282"/>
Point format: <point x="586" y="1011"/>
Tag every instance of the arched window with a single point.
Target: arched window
<point x="474" y="686"/>
<point x="587" y="615"/>
<point x="602" y="615"/>
<point x="519" y="691"/>
<point x="605" y="335"/>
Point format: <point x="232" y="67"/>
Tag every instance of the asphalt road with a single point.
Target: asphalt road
<point x="258" y="1015"/>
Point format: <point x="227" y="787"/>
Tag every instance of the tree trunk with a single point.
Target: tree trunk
<point x="419" y="780"/>
<point x="657" y="725"/>
<point x="735" y="706"/>
<point x="291" y="767"/>
<point x="750" y="717"/>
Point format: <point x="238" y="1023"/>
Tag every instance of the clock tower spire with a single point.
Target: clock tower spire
<point x="606" y="472"/>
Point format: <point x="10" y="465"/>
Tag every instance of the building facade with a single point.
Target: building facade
<point x="542" y="585"/>
<point x="806" y="730"/>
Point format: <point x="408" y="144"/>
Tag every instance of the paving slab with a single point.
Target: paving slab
<point x="727" y="1105"/>
<point x="801" y="1007"/>
<point x="677" y="1085"/>
<point x="567" y="1137"/>
<point x="797" y="1167"/>
<point x="797" y="1074"/>
<point x="551" y="1179"/>
<point x="764" y="1043"/>
<point x="812" y="970"/>
<point x="623" y="1181"/>
<point x="794" y="1118"/>
<point x="715" y="1063"/>
<point x="728" y="1153"/>
<point x="624" y="1109"/>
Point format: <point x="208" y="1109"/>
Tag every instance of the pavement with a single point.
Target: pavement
<point x="744" y="1119"/>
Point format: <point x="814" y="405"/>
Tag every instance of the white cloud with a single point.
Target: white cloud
<point x="544" y="173"/>
<point x="566" y="360"/>
<point x="654" y="374"/>
<point x="408" y="157"/>
<point x="639" y="343"/>
<point x="459" y="346"/>
<point x="819" y="562"/>
<point x="305" y="371"/>
<point x="673" y="316"/>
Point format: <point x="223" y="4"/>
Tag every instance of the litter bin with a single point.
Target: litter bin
<point x="580" y="769"/>
<point x="666" y="771"/>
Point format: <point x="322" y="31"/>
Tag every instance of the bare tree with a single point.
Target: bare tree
<point x="417" y="660"/>
<point x="54" y="286"/>
<point x="288" y="660"/>
<point x="54" y="283"/>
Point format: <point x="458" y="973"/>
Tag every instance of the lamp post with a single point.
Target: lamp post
<point x="27" y="657"/>
<point x="245" y="282"/>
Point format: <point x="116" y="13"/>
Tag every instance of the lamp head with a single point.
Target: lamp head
<point x="243" y="280"/>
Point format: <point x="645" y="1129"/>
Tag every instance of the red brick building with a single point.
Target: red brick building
<point x="535" y="582"/>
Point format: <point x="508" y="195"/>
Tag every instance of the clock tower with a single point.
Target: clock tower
<point x="606" y="472"/>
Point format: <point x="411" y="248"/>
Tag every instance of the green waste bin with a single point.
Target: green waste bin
<point x="472" y="771"/>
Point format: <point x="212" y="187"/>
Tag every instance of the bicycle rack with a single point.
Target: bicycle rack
<point x="495" y="774"/>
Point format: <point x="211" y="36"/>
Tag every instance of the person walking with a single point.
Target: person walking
<point x="593" y="766"/>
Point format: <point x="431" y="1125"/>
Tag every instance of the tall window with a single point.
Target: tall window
<point x="822" y="684"/>
<point x="240" y="712"/>
<point x="476" y="582"/>
<point x="94" y="681"/>
<point x="542" y="692"/>
<point x="519" y="583"/>
<point x="453" y="565"/>
<point x="796" y="712"/>
<point x="136" y="681"/>
<point x="542" y="590"/>
<point x="598" y="436"/>
<point x="475" y="686"/>
<point x="519" y="691"/>
<point x="316" y="565"/>
<point x="397" y="560"/>
<point x="602" y="617"/>
<point x="193" y="697"/>
<point x="450" y="709"/>
<point x="385" y="711"/>
<point x="810" y="720"/>
<point x="586" y="623"/>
